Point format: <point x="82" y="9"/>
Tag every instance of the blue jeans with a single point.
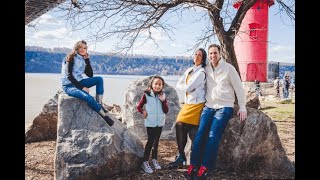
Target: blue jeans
<point x="285" y="93"/>
<point x="206" y="143"/>
<point x="97" y="81"/>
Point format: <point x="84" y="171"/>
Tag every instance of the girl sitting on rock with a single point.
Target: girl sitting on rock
<point x="73" y="66"/>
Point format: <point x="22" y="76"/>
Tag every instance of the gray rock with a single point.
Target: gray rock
<point x="87" y="148"/>
<point x="253" y="145"/>
<point x="133" y="119"/>
<point x="252" y="100"/>
<point x="44" y="126"/>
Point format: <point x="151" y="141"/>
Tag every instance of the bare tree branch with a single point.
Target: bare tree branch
<point x="289" y="9"/>
<point x="134" y="22"/>
<point x="235" y="25"/>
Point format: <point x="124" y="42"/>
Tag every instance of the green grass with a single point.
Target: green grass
<point x="279" y="112"/>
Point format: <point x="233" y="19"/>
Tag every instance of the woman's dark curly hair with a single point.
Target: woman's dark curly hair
<point x="204" y="57"/>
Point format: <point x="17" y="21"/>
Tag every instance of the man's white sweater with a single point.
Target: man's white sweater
<point x="222" y="82"/>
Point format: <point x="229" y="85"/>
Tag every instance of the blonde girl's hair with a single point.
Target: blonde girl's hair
<point x="74" y="51"/>
<point x="148" y="90"/>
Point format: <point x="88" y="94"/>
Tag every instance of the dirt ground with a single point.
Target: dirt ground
<point x="39" y="157"/>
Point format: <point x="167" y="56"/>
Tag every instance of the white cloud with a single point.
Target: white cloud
<point x="157" y="35"/>
<point x="59" y="33"/>
<point x="50" y="38"/>
<point x="282" y="53"/>
<point x="177" y="45"/>
<point x="279" y="48"/>
<point x="47" y="19"/>
<point x="67" y="42"/>
<point x="289" y="59"/>
<point x="49" y="32"/>
<point x="165" y="49"/>
<point x="148" y="48"/>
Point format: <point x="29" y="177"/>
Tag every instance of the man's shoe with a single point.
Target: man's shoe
<point x="180" y="161"/>
<point x="108" y="120"/>
<point x="192" y="170"/>
<point x="202" y="173"/>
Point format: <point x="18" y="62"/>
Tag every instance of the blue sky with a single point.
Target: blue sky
<point x="52" y="32"/>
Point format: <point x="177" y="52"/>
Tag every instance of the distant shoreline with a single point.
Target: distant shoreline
<point x="41" y="87"/>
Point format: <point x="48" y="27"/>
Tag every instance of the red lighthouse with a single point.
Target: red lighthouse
<point x="251" y="42"/>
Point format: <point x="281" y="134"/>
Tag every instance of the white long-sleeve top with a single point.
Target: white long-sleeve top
<point x="195" y="87"/>
<point x="222" y="82"/>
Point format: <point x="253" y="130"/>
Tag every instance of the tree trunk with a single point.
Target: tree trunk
<point x="228" y="53"/>
<point x="226" y="41"/>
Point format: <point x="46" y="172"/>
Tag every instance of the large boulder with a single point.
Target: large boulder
<point x="87" y="148"/>
<point x="252" y="100"/>
<point x="44" y="126"/>
<point x="253" y="145"/>
<point x="133" y="119"/>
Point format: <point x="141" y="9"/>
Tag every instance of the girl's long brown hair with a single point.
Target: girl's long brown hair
<point x="74" y="51"/>
<point x="148" y="90"/>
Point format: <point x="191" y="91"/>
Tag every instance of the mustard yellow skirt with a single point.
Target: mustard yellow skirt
<point x="190" y="113"/>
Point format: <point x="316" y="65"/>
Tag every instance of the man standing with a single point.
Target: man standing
<point x="222" y="81"/>
<point x="286" y="85"/>
<point x="277" y="85"/>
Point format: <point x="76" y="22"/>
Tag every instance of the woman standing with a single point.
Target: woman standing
<point x="192" y="83"/>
